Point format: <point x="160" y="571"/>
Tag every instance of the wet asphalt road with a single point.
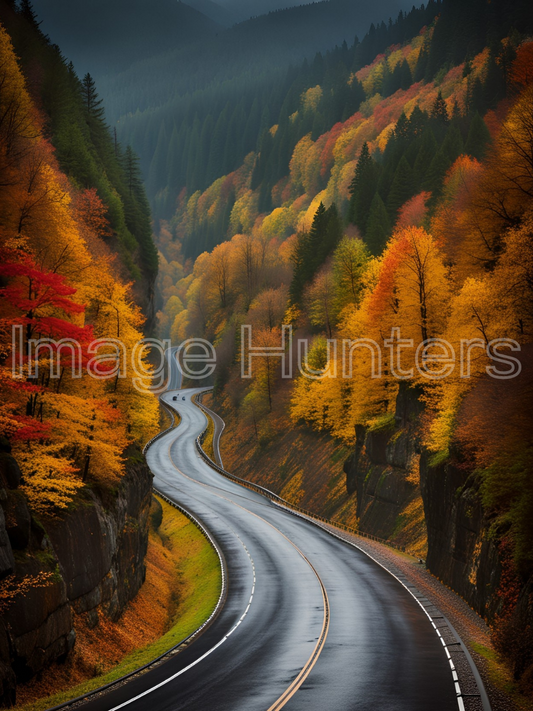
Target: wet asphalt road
<point x="309" y="622"/>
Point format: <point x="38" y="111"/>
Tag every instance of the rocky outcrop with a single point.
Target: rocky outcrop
<point x="383" y="469"/>
<point x="88" y="561"/>
<point x="7" y="561"/>
<point x="460" y="551"/>
<point x="101" y="550"/>
<point x="389" y="469"/>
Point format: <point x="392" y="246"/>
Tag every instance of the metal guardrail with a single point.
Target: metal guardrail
<point x="223" y="568"/>
<point x="320" y="521"/>
<point x="287" y="504"/>
<point x="164" y="432"/>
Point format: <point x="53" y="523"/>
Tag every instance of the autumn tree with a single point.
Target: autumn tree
<point x="221" y="272"/>
<point x="503" y="191"/>
<point x="522" y="68"/>
<point x="320" y="300"/>
<point x="422" y="284"/>
<point x="18" y="131"/>
<point x="247" y="266"/>
<point x="93" y="213"/>
<point x="350" y="260"/>
<point x="268" y="309"/>
<point x="266" y="367"/>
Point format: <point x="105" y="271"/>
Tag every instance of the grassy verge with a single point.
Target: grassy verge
<point x="195" y="565"/>
<point x="166" y="421"/>
<point x="207" y="444"/>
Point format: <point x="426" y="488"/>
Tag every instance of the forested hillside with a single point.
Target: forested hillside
<point x="218" y="12"/>
<point x="105" y="172"/>
<point x="214" y="130"/>
<point x="233" y="85"/>
<point x="75" y="234"/>
<point x="409" y="208"/>
<point x="270" y="118"/>
<point x="77" y="268"/>
<point x="243" y="10"/>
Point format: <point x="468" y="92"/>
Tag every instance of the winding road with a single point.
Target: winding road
<point x="309" y="622"/>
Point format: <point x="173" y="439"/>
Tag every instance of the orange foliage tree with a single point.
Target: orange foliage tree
<point x="57" y="284"/>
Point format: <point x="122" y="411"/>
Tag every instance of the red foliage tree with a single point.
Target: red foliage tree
<point x="522" y="71"/>
<point x="39" y="301"/>
<point x="92" y="212"/>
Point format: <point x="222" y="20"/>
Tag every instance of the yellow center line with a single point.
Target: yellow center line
<point x="306" y="670"/>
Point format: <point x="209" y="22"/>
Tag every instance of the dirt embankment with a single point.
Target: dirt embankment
<point x="303" y="466"/>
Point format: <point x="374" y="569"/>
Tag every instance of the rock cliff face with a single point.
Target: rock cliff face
<point x="91" y="560"/>
<point x="460" y="551"/>
<point x="390" y="471"/>
<point x="384" y="472"/>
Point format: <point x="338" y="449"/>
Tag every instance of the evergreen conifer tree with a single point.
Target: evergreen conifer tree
<point x="316" y="236"/>
<point x="406" y="78"/>
<point x="313" y="248"/>
<point x="456" y="112"/>
<point x="28" y="13"/>
<point x="402" y="188"/>
<point x="355" y="97"/>
<point x="362" y="189"/>
<point x="93" y="105"/>
<point x="452" y="146"/>
<point x="428" y="150"/>
<point x="391" y="81"/>
<point x="421" y="64"/>
<point x="478" y="138"/>
<point x="261" y="163"/>
<point x="494" y="87"/>
<point x="385" y="180"/>
<point x="402" y="131"/>
<point x="434" y="179"/>
<point x="417" y="122"/>
<point x="475" y="96"/>
<point x="439" y="111"/>
<point x="378" y="227"/>
<point x="333" y="234"/>
<point x="132" y="172"/>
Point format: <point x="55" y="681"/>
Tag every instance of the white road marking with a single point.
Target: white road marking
<point x="200" y="659"/>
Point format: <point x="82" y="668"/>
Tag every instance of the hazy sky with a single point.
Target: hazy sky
<point x="107" y="36"/>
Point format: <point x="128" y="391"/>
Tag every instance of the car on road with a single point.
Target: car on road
<point x="175" y="397"/>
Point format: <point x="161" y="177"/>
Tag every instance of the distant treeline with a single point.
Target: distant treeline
<point x="192" y="141"/>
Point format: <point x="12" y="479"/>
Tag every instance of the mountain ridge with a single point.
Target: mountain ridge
<point x="115" y="35"/>
<point x="215" y="11"/>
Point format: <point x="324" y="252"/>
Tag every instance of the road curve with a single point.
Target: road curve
<point x="309" y="622"/>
